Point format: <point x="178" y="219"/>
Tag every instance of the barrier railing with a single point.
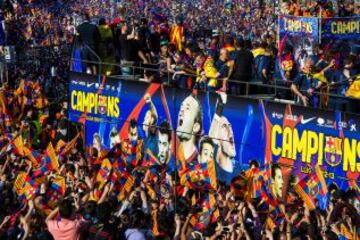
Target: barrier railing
<point x="279" y="90"/>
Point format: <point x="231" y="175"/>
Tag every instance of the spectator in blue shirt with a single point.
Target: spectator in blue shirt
<point x="262" y="63"/>
<point x="304" y="85"/>
<point x="341" y="82"/>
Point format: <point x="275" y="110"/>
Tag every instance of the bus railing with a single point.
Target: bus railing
<point x="279" y="90"/>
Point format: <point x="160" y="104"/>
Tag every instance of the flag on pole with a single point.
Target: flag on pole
<point x="201" y="176"/>
<point x="23" y="188"/>
<point x="208" y="213"/>
<point x="70" y="145"/>
<point x="176" y="36"/>
<point x="53" y="157"/>
<point x="55" y="192"/>
<point x="303" y="189"/>
<point x="104" y="172"/>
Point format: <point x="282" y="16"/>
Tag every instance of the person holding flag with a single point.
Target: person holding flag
<point x="342" y="81"/>
<point x="177" y="33"/>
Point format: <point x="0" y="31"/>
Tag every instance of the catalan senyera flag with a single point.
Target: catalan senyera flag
<point x="20" y="88"/>
<point x="155" y="225"/>
<point x="19" y="145"/>
<point x="95" y="195"/>
<point x="60" y="145"/>
<point x="53" y="157"/>
<point x="176" y="36"/>
<point x="3" y="100"/>
<point x="41" y="102"/>
<point x="28" y="32"/>
<point x="270" y="224"/>
<point x="246" y="184"/>
<point x="19" y="182"/>
<point x="33" y="156"/>
<point x="345" y="233"/>
<point x="324" y="89"/>
<point x="70" y="145"/>
<point x="151" y="191"/>
<point x="22" y="186"/>
<point x="21" y="93"/>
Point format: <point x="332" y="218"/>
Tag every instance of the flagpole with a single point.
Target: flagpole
<point x="320" y="23"/>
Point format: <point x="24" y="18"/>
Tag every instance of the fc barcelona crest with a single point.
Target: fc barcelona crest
<point x="333" y="151"/>
<point x="102" y="105"/>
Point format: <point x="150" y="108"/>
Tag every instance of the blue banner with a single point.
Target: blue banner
<point x="241" y="129"/>
<point x="300" y="34"/>
<point x="299" y="26"/>
<point x="340" y="28"/>
<point x="102" y="110"/>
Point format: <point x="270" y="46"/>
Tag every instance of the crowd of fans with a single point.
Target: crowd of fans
<point x="195" y="44"/>
<point x="53" y="188"/>
<point x="226" y="48"/>
<point x="208" y="45"/>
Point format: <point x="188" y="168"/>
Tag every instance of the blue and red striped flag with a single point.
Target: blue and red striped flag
<point x="55" y="192"/>
<point x="200" y="176"/>
<point x="24" y="186"/>
<point x="104" y="172"/>
<point x="208" y="213"/>
<point x="311" y="186"/>
<point x="131" y="153"/>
